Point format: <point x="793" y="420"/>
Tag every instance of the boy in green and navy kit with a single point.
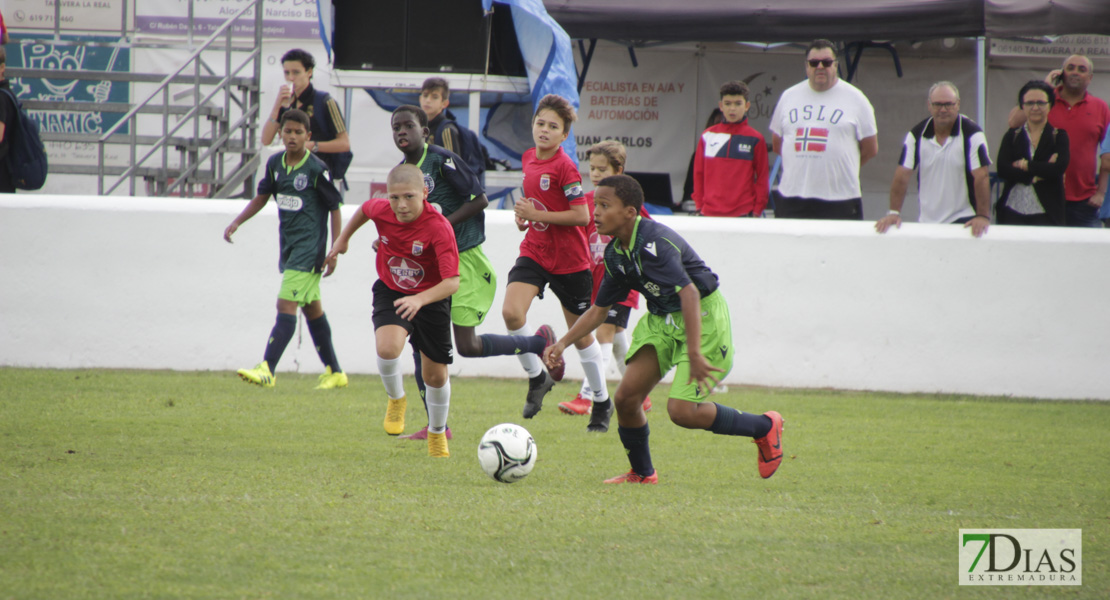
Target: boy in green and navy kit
<point x="687" y="327"/>
<point x="307" y="203"/>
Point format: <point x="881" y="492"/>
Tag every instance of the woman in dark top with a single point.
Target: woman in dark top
<point x="1031" y="161"/>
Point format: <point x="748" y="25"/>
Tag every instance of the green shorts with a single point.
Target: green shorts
<point x="300" y="287"/>
<point x="477" y="287"/>
<point x="668" y="336"/>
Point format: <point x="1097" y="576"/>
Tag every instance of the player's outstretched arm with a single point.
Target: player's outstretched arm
<point x="898" y="187"/>
<point x="336" y="226"/>
<point x="339" y="246"/>
<point x="586" y="324"/>
<point x="249" y="211"/>
<point x="700" y="369"/>
<point x="469" y="209"/>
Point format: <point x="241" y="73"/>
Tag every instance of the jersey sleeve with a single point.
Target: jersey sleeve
<point x="461" y="177"/>
<point x="611" y="291"/>
<point x="571" y="181"/>
<point x="335" y="117"/>
<point x="908" y="158"/>
<point x="867" y="125"/>
<point x="266" y="184"/>
<point x="978" y="154"/>
<point x="325" y="189"/>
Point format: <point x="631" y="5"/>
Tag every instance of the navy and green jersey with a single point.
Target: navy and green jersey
<point x="658" y="264"/>
<point x="451" y="183"/>
<point x="305" y="197"/>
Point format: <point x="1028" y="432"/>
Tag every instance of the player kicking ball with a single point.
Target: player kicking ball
<point x="683" y="304"/>
<point x="418" y="270"/>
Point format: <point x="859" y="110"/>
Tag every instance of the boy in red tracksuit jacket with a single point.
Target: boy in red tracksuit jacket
<point x="730" y="164"/>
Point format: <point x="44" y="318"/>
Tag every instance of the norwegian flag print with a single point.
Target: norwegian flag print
<point x="811" y="139"/>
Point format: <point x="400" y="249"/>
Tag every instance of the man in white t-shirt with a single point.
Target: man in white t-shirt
<point x="824" y="130"/>
<point x="949" y="152"/>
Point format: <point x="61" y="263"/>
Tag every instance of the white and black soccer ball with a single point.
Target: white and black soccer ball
<point x="507" y="452"/>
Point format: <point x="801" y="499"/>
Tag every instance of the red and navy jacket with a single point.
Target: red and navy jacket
<point x="730" y="171"/>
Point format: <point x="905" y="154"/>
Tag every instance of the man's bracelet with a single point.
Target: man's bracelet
<point x="982" y="217"/>
<point x="893" y="212"/>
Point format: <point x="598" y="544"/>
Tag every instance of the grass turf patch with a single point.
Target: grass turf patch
<point x="185" y="484"/>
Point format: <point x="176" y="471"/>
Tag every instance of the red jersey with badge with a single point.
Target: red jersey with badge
<point x="554" y="185"/>
<point x="597" y="243"/>
<point x="413" y="257"/>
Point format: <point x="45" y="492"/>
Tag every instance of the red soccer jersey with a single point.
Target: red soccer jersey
<point x="554" y="185"/>
<point x="597" y="254"/>
<point x="413" y="257"/>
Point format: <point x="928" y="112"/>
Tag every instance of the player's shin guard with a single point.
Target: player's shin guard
<point x="320" y="331"/>
<point x="593" y="366"/>
<point x="438" y="403"/>
<point x="635" y="440"/>
<point x="280" y="335"/>
<point x="390" y="371"/>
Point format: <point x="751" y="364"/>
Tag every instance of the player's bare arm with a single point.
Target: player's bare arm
<point x="898" y="189"/>
<point x="577" y="216"/>
<point x="587" y="323"/>
<point x="691" y="316"/>
<point x="249" y="211"/>
<point x="408" y="306"/>
<point x="469" y="209"/>
<point x="336" y="227"/>
<point x="339" y="246"/>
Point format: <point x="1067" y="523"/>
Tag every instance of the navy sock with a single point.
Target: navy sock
<point x="508" y="345"/>
<point x="420" y="385"/>
<point x="320" y="331"/>
<point x="635" y="440"/>
<point x="279" y="339"/>
<point x="730" y="421"/>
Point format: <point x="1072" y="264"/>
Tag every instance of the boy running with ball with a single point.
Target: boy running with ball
<point x="684" y="306"/>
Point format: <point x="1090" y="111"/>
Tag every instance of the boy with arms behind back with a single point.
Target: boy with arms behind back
<point x="687" y="327"/>
<point x="730" y="164"/>
<point x="307" y="201"/>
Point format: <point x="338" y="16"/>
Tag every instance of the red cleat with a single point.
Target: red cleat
<point x="647" y="403"/>
<point x="581" y="405"/>
<point x="770" y="446"/>
<point x="633" y="477"/>
<point x="548" y="335"/>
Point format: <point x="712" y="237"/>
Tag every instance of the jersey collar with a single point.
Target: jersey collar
<point x="289" y="169"/>
<point x="632" y="241"/>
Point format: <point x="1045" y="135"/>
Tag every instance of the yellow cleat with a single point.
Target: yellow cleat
<point x="259" y="375"/>
<point x="329" y="380"/>
<point x="437" y="445"/>
<point x="395" y="416"/>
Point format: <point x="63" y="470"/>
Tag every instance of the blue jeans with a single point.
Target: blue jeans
<point x="1081" y="214"/>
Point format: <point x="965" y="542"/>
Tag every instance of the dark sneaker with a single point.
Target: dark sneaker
<point x="633" y="477"/>
<point x="599" y="417"/>
<point x="548" y="335"/>
<point x="536" y="391"/>
<point x="770" y="446"/>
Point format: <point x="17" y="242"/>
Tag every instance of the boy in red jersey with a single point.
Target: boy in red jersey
<point x="606" y="158"/>
<point x="554" y="253"/>
<point x="418" y="270"/>
<point x="730" y="164"/>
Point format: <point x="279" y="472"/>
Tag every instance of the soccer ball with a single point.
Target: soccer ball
<point x="507" y="452"/>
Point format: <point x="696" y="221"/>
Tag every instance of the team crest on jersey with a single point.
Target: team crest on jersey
<point x="406" y="274"/>
<point x="300" y="182"/>
<point x="417" y="248"/>
<point x="429" y="183"/>
<point x="545" y="182"/>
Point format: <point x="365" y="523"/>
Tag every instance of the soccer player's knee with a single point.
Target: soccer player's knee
<point x="513" y="319"/>
<point x="435" y="376"/>
<point x="469" y="347"/>
<point x="682" y="413"/>
<point x="626" y="402"/>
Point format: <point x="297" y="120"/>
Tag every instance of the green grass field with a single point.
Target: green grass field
<point x="125" y="484"/>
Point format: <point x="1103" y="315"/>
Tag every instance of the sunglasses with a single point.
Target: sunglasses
<point x="821" y="62"/>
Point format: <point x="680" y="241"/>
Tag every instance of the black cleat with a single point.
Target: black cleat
<point x="599" y="417"/>
<point x="537" y="389"/>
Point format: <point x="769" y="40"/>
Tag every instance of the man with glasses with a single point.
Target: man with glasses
<point x="1086" y="119"/>
<point x="824" y="130"/>
<point x="949" y="151"/>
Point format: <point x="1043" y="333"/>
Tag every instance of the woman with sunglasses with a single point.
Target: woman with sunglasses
<point x="1032" y="160"/>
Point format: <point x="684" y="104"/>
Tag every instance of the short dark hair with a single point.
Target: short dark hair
<point x="734" y="88"/>
<point x="628" y="190"/>
<point x="416" y="111"/>
<point x="1037" y="84"/>
<point x="297" y="115"/>
<point x="560" y="106"/>
<point x="301" y="56"/>
<point x="436" y="83"/>
<point x="821" y="44"/>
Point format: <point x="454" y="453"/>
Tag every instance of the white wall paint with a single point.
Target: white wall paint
<point x="150" y="283"/>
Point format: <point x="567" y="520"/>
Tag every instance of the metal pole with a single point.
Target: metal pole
<point x="981" y="44"/>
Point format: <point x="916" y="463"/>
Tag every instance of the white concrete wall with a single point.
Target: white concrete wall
<point x="150" y="283"/>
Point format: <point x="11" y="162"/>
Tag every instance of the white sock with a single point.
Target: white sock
<point x="591" y="364"/>
<point x="390" y="370"/>
<point x="585" y="392"/>
<point x="439" y="401"/>
<point x="531" y="363"/>
<point x="606" y="356"/>
<point x="620" y="349"/>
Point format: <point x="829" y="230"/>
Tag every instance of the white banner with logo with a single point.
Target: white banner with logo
<point x="1021" y="557"/>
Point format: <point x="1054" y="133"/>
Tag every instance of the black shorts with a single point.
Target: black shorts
<point x="429" y="331"/>
<point x="618" y="315"/>
<point x="572" y="289"/>
<point x="814" y="208"/>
